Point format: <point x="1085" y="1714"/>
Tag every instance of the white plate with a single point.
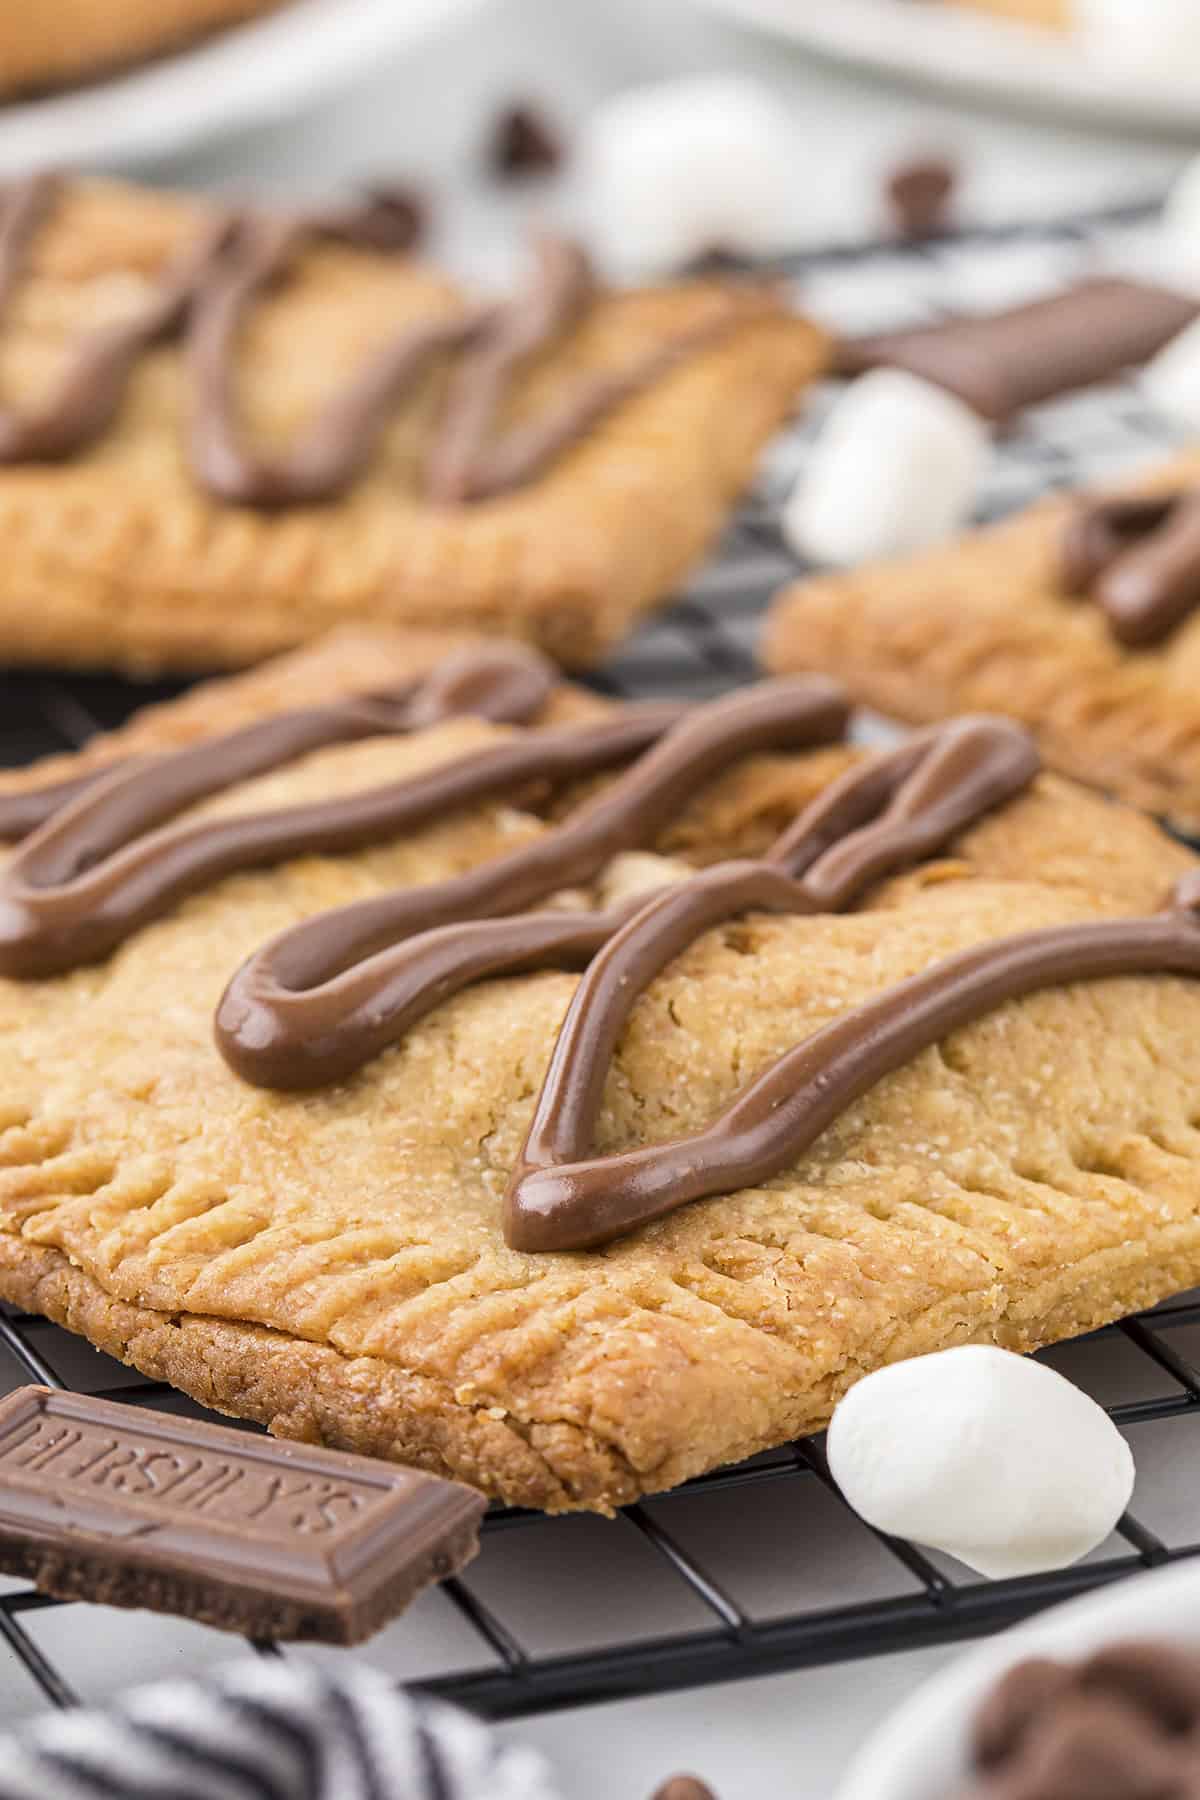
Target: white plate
<point x="249" y="75"/>
<point x="920" y="1754"/>
<point x="973" y="54"/>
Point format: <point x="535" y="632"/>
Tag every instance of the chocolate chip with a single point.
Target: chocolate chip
<point x="385" y="217"/>
<point x="718" y="259"/>
<point x="1025" y="1693"/>
<point x="397" y="216"/>
<point x="1162" y="1681"/>
<point x="524" y="143"/>
<point x="920" y="194"/>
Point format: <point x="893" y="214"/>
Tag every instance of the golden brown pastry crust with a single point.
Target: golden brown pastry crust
<point x="331" y="1264"/>
<point x="120" y="558"/>
<point x="86" y="38"/>
<point x="1057" y="14"/>
<point x="982" y="624"/>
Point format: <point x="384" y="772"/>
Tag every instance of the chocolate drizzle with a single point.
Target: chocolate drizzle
<point x="1139" y="559"/>
<point x="324" y="998"/>
<point x="205" y="295"/>
<point x="85" y="398"/>
<point x="336" y="447"/>
<point x="561" y="292"/>
<point x="24" y="810"/>
<point x="875" y="820"/>
<point x="103" y="863"/>
<point x="572" y="1205"/>
<point x="464" y="465"/>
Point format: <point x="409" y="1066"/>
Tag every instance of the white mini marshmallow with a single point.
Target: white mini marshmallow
<point x="991" y="1457"/>
<point x="1143" y="37"/>
<point x="896" y="468"/>
<point x="1171" y="380"/>
<point x="673" y="171"/>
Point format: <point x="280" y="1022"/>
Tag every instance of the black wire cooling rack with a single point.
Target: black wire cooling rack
<point x="759" y="1568"/>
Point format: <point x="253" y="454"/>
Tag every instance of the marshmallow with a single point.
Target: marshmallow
<point x="673" y="171"/>
<point x="995" y="1459"/>
<point x="895" y="469"/>
<point x="1171" y="380"/>
<point x="1142" y="37"/>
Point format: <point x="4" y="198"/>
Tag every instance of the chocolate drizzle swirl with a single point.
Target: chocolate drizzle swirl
<point x="336" y="447"/>
<point x="877" y="819"/>
<point x="326" y="997"/>
<point x="464" y="465"/>
<point x="1139" y="559"/>
<point x="85" y="398"/>
<point x="577" y="1204"/>
<point x="205" y="295"/>
<point x="563" y="288"/>
<point x="103" y="863"/>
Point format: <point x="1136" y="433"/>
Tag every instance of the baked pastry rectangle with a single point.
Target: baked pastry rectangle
<point x="985" y="622"/>
<point x="119" y="555"/>
<point x="332" y="1264"/>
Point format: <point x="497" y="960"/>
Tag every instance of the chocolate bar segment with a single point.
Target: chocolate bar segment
<point x="277" y="1540"/>
<point x="1009" y="360"/>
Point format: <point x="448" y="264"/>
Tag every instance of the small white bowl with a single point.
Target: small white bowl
<point x="921" y="1752"/>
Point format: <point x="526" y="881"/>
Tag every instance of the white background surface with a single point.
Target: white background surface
<point x="791" y="1735"/>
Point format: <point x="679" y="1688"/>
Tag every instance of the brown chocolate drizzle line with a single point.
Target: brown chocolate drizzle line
<point x="23" y="811"/>
<point x="328" y="996"/>
<point x="560" y="293"/>
<point x="52" y="919"/>
<point x="501" y="682"/>
<point x="527" y="449"/>
<point x="210" y="288"/>
<point x="877" y="819"/>
<point x="85" y="398"/>
<point x="335" y="448"/>
<point x="582" y="1201"/>
<point x="325" y="997"/>
<point x="100" y="867"/>
<point x="464" y="465"/>
<point x="1139" y="559"/>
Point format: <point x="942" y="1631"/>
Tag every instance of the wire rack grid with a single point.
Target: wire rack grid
<point x="759" y="1568"/>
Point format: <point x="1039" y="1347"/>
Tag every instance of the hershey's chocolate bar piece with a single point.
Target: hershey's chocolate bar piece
<point x="1002" y="362"/>
<point x="130" y="1508"/>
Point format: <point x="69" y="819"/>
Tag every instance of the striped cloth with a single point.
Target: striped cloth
<point x="268" y="1729"/>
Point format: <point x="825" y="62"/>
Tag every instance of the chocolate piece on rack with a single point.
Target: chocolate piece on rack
<point x="1003" y="362"/>
<point x="277" y="1540"/>
<point x="920" y="195"/>
<point x="524" y="143"/>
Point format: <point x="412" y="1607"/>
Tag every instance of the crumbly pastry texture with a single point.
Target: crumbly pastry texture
<point x="85" y="38"/>
<point x="332" y="1263"/>
<point x="983" y="624"/>
<point x="119" y="557"/>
